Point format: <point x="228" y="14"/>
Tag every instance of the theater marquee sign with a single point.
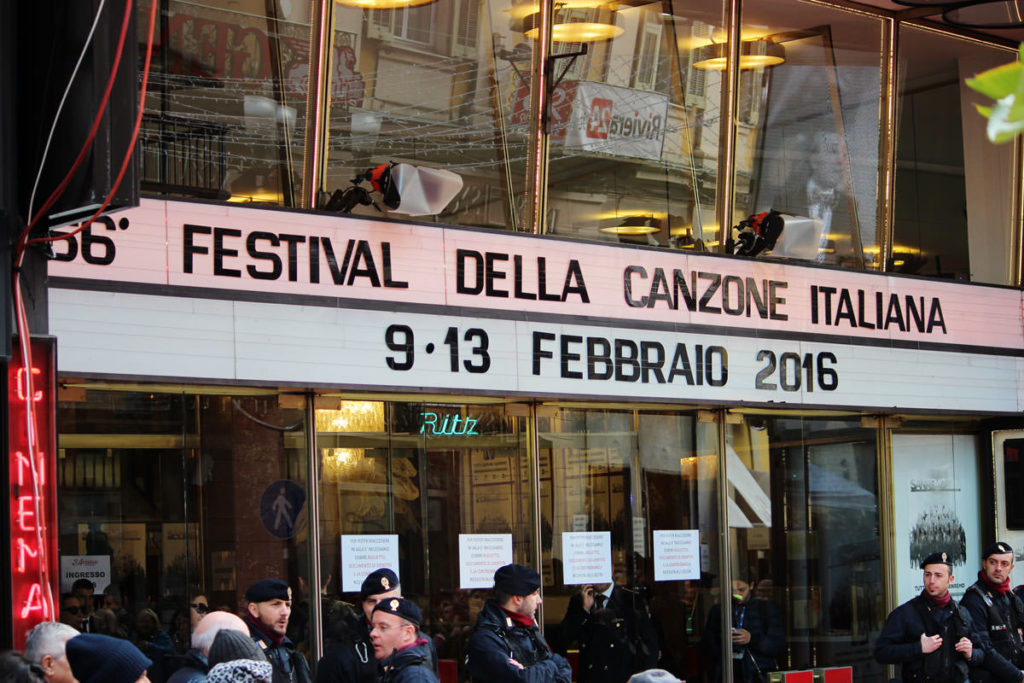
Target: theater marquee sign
<point x="192" y="291"/>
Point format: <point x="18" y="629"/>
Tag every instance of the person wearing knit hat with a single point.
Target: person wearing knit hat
<point x="403" y="653"/>
<point x="229" y="646"/>
<point x="241" y="671"/>
<point x="267" y="614"/>
<point x="998" y="614"/>
<point x="96" y="658"/>
<point x="506" y="639"/>
<point x="930" y="636"/>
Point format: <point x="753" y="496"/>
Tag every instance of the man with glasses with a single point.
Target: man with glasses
<point x="45" y="648"/>
<point x="404" y="655"/>
<point x="71" y="611"/>
<point x="506" y="645"/>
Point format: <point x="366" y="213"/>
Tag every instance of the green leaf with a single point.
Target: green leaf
<point x="998" y="82"/>
<point x="983" y="110"/>
<point x="1000" y="128"/>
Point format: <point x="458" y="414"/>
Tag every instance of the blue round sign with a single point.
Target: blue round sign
<point x="280" y="507"/>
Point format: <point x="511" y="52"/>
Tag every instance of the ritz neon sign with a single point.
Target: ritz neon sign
<point x="33" y="507"/>
<point x="438" y="424"/>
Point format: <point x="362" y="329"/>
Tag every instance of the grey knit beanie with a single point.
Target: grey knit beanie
<point x="241" y="671"/>
<point x="230" y="645"/>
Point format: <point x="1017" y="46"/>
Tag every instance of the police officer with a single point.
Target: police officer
<point x="998" y="615"/>
<point x="930" y="635"/>
<point x="506" y="645"/>
<point x="404" y="654"/>
<point x="267" y="614"/>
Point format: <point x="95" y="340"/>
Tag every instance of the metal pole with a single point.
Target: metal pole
<point x="318" y="101"/>
<point x="537" y="152"/>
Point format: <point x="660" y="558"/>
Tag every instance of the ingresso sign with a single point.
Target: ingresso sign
<point x="184" y="290"/>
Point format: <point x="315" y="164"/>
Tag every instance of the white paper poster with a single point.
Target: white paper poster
<point x="96" y="568"/>
<point x="364" y="553"/>
<point x="586" y="557"/>
<point x="480" y="555"/>
<point x="935" y="502"/>
<point x="676" y="554"/>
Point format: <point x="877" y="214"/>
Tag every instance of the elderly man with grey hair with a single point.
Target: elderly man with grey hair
<point x="45" y="647"/>
<point x="196" y="664"/>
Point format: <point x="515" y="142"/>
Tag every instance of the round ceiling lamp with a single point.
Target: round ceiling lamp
<point x="383" y="4"/>
<point x="634" y="225"/>
<point x="998" y="14"/>
<point x="754" y="54"/>
<point x="576" y="25"/>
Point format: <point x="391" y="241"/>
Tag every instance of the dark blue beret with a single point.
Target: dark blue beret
<point x="401" y="607"/>
<point x="516" y="579"/>
<point x="937" y="558"/>
<point x="997" y="548"/>
<point x="268" y="589"/>
<point x="377" y="582"/>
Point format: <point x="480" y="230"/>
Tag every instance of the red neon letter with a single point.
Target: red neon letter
<point x="23" y="550"/>
<point x="34" y="602"/>
<point x="23" y="513"/>
<point x="36" y="396"/>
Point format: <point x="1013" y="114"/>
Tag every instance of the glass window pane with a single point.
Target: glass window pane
<point x="808" y="127"/>
<point x="188" y="499"/>
<point x="439" y="85"/>
<point x="225" y="106"/>
<point x="803" y="515"/>
<point x="635" y="129"/>
<point x="423" y="476"/>
<point x="633" y="476"/>
<point x="953" y="200"/>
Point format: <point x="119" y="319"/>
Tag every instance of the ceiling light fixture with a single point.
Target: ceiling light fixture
<point x="634" y="225"/>
<point x="754" y="54"/>
<point x="576" y="25"/>
<point x="383" y="4"/>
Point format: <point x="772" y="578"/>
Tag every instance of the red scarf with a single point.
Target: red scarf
<point x="519" y="619"/>
<point x="258" y="625"/>
<point x="1003" y="587"/>
<point x="942" y="601"/>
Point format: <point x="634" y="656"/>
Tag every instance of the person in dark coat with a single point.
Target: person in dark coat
<point x="758" y="634"/>
<point x="930" y="636"/>
<point x="998" y="615"/>
<point x="267" y="614"/>
<point x="506" y="645"/>
<point x="349" y="658"/>
<point x="614" y="632"/>
<point x="403" y="653"/>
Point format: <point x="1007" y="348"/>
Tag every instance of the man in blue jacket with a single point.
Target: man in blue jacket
<point x="506" y="645"/>
<point x="404" y="655"/>
<point x="930" y="636"/>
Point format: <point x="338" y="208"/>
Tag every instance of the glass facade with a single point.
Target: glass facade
<point x="626" y="143"/>
<point x="194" y="494"/>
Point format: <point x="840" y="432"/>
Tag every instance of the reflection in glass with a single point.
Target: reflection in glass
<point x="808" y="128"/>
<point x="427" y="475"/>
<point x="953" y="199"/>
<point x="803" y="515"/>
<point x="443" y="85"/>
<point x="225" y="107"/>
<point x="634" y="131"/>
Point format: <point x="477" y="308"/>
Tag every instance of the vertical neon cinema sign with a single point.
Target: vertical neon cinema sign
<point x="33" y="500"/>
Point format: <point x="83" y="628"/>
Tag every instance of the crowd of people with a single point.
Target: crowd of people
<point x="378" y="641"/>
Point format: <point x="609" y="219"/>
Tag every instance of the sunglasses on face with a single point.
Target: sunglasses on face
<point x="71" y="609"/>
<point x="200" y="607"/>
